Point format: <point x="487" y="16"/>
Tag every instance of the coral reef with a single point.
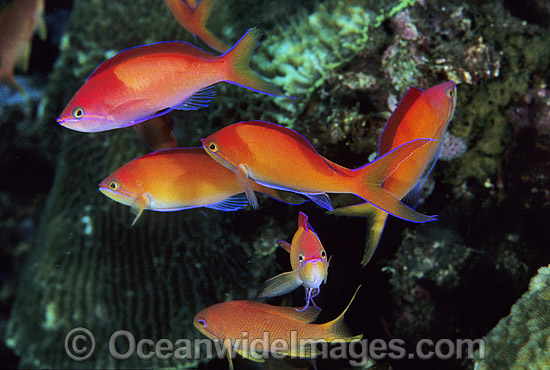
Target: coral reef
<point x="90" y="269"/>
<point x="521" y="340"/>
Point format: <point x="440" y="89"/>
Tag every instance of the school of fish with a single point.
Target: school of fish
<point x="140" y="86"/>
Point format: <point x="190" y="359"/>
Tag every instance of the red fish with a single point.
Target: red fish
<point x="18" y="22"/>
<point x="289" y="331"/>
<point x="193" y="18"/>
<point x="177" y="179"/>
<point x="158" y="133"/>
<point x="309" y="265"/>
<point x="148" y="81"/>
<point x="420" y="114"/>
<point x="278" y="157"/>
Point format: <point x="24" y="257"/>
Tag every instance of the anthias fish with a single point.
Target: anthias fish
<point x="18" y="21"/>
<point x="177" y="179"/>
<point x="278" y="157"/>
<point x="193" y="18"/>
<point x="309" y="265"/>
<point x="147" y="81"/>
<point x="420" y="114"/>
<point x="286" y="330"/>
<point x="158" y="132"/>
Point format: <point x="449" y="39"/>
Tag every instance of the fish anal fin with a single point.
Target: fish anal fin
<point x="281" y="284"/>
<point x="200" y="99"/>
<point x="244" y="181"/>
<point x="251" y="355"/>
<point x="233" y="203"/>
<point x="322" y="200"/>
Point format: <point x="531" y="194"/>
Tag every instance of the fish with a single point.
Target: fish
<point x="147" y="81"/>
<point x="158" y="132"/>
<point x="239" y="323"/>
<point x="309" y="263"/>
<point x="178" y="179"/>
<point x="193" y="18"/>
<point x="18" y="22"/>
<point x="420" y="114"/>
<point x="279" y="157"/>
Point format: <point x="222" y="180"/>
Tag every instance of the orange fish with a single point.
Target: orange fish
<point x="177" y="179"/>
<point x="193" y="18"/>
<point x="309" y="265"/>
<point x="18" y="22"/>
<point x="147" y="81"/>
<point x="278" y="157"/>
<point x="282" y="330"/>
<point x="420" y="114"/>
<point x="158" y="133"/>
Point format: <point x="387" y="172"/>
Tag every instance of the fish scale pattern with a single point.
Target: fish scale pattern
<point x="91" y="269"/>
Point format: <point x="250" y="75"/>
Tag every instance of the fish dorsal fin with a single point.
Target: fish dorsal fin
<point x="200" y="99"/>
<point x="302" y="221"/>
<point x="305" y="316"/>
<point x="396" y="118"/>
<point x="169" y="47"/>
<point x="233" y="203"/>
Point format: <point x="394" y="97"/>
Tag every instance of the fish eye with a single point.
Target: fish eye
<point x="450" y="93"/>
<point x="301" y="257"/>
<point x="202" y="322"/>
<point x="78" y="113"/>
<point x="323" y="254"/>
<point x="113" y="185"/>
<point x="213" y="147"/>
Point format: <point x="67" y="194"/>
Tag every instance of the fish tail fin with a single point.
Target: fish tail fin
<point x="337" y="328"/>
<point x="376" y="221"/>
<point x="371" y="176"/>
<point x="200" y="16"/>
<point x="9" y="78"/>
<point x="239" y="71"/>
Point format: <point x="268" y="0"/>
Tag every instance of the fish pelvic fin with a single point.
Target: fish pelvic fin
<point x="200" y="16"/>
<point x="371" y="177"/>
<point x="138" y="206"/>
<point x="337" y="328"/>
<point x="238" y="68"/>
<point x="244" y="181"/>
<point x="376" y="221"/>
<point x="281" y="284"/>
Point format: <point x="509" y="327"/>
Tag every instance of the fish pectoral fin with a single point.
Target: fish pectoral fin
<point x="242" y="177"/>
<point x="141" y="107"/>
<point x="233" y="203"/>
<point x="281" y="284"/>
<point x="285" y="245"/>
<point x="138" y="206"/>
<point x="322" y="200"/>
<point x="200" y="99"/>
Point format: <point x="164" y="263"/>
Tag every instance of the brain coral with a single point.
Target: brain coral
<point x="521" y="340"/>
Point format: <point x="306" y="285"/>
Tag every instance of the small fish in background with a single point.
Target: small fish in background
<point x="193" y="18"/>
<point x="239" y="322"/>
<point x="158" y="132"/>
<point x="279" y="157"/>
<point x="147" y="81"/>
<point x="420" y="114"/>
<point x="178" y="179"/>
<point x="18" y="22"/>
<point x="309" y="265"/>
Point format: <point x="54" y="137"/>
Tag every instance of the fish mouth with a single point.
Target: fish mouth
<point x="119" y="195"/>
